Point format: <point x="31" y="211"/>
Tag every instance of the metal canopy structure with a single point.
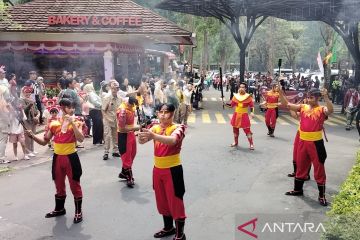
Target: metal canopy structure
<point x="342" y="15"/>
<point x="311" y="10"/>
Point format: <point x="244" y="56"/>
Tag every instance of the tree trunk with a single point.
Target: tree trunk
<point x="327" y="34"/>
<point x="293" y="65"/>
<point x="357" y="72"/>
<point x="271" y="55"/>
<point x="242" y="63"/>
<point x="327" y="75"/>
<point x="222" y="50"/>
<point x="205" y="51"/>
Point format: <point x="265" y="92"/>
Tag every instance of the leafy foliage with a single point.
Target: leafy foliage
<point x="52" y="92"/>
<point x="344" y="216"/>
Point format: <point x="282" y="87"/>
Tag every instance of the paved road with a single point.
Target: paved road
<point x="220" y="183"/>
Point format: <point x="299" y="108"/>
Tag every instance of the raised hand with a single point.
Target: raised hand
<point x="324" y="92"/>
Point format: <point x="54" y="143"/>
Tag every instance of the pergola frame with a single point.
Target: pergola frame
<point x="340" y="14"/>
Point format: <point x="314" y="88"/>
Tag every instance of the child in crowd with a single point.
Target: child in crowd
<point x="54" y="116"/>
<point x="16" y="135"/>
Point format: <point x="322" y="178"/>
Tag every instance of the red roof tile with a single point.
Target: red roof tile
<point x="33" y="17"/>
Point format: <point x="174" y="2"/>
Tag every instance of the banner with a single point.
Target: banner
<point x="320" y="63"/>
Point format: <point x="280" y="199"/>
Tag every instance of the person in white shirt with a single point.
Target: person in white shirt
<point x="16" y="134"/>
<point x="159" y="95"/>
<point x="187" y="101"/>
<point x="4" y="121"/>
<point x="3" y="80"/>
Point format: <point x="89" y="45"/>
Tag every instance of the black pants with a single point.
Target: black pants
<point x="88" y="124"/>
<point x="39" y="107"/>
<point x="98" y="127"/>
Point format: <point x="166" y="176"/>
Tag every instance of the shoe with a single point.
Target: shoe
<point x="31" y="155"/>
<point x="79" y="146"/>
<point x="26" y="157"/>
<point x="16" y="159"/>
<point x="130" y="181"/>
<point x="294" y="193"/>
<point x="116" y="155"/>
<point x="183" y="237"/>
<point x="78" y="213"/>
<point x="4" y="161"/>
<point x="252" y="147"/>
<point x="291" y="175"/>
<point x="78" y="218"/>
<point x="55" y="213"/>
<point x="35" y="152"/>
<point x="233" y="145"/>
<point x="106" y="157"/>
<point x="322" y="201"/>
<point x="164" y="233"/>
<point x="123" y="175"/>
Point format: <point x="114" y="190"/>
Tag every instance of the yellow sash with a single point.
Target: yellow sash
<point x="167" y="162"/>
<point x="310" y="136"/>
<point x="271" y="105"/>
<point x="64" y="148"/>
<point x="239" y="109"/>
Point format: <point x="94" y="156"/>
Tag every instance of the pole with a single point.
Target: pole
<point x="221" y="87"/>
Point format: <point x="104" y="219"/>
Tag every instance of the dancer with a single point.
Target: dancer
<point x="126" y="138"/>
<point x="240" y="119"/>
<point x="272" y="105"/>
<point x="168" y="181"/>
<point x="66" y="131"/>
<point x="311" y="147"/>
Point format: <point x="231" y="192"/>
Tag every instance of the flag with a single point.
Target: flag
<point x="327" y="59"/>
<point x="320" y="63"/>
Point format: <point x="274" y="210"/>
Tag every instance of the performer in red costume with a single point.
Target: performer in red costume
<point x="296" y="115"/>
<point x="126" y="138"/>
<point x="240" y="119"/>
<point x="271" y="103"/>
<point x="168" y="181"/>
<point x="311" y="148"/>
<point x="66" y="131"/>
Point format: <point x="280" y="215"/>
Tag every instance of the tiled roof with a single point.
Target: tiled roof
<point x="33" y="17"/>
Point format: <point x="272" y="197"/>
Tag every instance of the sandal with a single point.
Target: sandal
<point x="164" y="233"/>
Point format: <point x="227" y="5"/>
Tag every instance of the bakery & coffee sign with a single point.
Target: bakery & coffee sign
<point x="101" y="21"/>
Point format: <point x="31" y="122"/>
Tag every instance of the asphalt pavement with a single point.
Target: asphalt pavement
<point x="221" y="184"/>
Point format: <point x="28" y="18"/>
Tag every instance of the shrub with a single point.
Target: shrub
<point x="344" y="217"/>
